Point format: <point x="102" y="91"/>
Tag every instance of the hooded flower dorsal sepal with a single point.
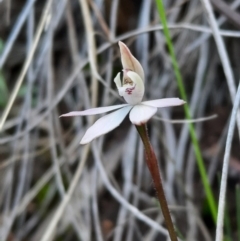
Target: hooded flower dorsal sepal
<point x="131" y="88"/>
<point x="129" y="62"/>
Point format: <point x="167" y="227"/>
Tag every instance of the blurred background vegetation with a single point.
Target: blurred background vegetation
<point x="58" y="56"/>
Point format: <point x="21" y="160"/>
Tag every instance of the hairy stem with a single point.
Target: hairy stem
<point x="157" y="181"/>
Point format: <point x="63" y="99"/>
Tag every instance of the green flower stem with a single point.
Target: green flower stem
<point x="201" y="166"/>
<point x="154" y="170"/>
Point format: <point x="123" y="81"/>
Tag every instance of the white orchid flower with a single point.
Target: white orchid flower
<point x="131" y="88"/>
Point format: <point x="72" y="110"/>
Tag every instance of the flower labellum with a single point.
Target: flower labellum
<point x="131" y="88"/>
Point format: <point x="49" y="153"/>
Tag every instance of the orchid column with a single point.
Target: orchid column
<point x="130" y="85"/>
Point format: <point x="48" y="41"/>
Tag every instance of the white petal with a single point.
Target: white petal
<point x="164" y="102"/>
<point x="133" y="94"/>
<point x="117" y="80"/>
<point x="105" y="124"/>
<point x="140" y="114"/>
<point x="129" y="62"/>
<point x="94" y="111"/>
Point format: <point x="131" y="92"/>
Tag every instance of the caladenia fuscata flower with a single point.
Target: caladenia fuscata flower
<point x="130" y="85"/>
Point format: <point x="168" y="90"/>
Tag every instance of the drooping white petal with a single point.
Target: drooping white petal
<point x="94" y="111"/>
<point x="140" y="114"/>
<point x="129" y="62"/>
<point x="164" y="102"/>
<point x="105" y="124"/>
<point x="132" y="93"/>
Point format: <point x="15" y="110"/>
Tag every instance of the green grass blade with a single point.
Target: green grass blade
<point x="3" y="86"/>
<point x="200" y="163"/>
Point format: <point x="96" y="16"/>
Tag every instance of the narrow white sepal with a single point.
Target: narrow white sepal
<point x="94" y="111"/>
<point x="105" y="124"/>
<point x="164" y="102"/>
<point x="140" y="114"/>
<point x="129" y="62"/>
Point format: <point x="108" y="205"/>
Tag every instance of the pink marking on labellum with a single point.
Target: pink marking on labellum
<point x="130" y="90"/>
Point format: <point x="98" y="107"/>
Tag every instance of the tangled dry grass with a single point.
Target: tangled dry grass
<point x="58" y="56"/>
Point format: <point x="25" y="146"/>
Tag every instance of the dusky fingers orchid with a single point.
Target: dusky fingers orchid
<point x="131" y="88"/>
